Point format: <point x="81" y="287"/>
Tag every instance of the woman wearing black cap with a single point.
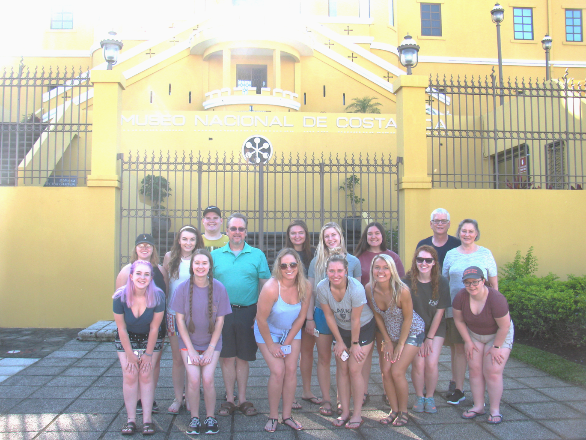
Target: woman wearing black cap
<point x="481" y="315"/>
<point x="145" y="250"/>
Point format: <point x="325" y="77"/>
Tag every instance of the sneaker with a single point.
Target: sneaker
<point x="139" y="407"/>
<point x="211" y="425"/>
<point x="429" y="405"/>
<point x="451" y="387"/>
<point x="456" y="397"/>
<point x="155" y="407"/>
<point x="419" y="405"/>
<point x="194" y="426"/>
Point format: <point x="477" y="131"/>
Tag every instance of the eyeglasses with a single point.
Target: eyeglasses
<point x="420" y="260"/>
<point x="472" y="283"/>
<point x="234" y="229"/>
<point x="440" y="222"/>
<point x="286" y="265"/>
<point x="145" y="246"/>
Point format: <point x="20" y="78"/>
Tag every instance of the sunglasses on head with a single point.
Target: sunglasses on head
<point x="421" y="260"/>
<point x="286" y="265"/>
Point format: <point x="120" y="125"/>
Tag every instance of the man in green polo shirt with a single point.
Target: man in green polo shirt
<point x="243" y="270"/>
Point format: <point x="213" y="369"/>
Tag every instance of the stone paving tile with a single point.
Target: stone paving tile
<point x="41" y="406"/>
<point x="84" y="371"/>
<point x="106" y="393"/>
<point x="470" y="430"/>
<point x="521" y="431"/>
<point x="11" y="370"/>
<point x="18" y="435"/>
<point x="81" y="422"/>
<point x="90" y="406"/>
<point x="524" y="395"/>
<point x="578" y="406"/>
<point x="76" y="354"/>
<point x="7" y="391"/>
<point x="568" y="429"/>
<point x="523" y="372"/>
<point x="71" y="381"/>
<point x="7" y="404"/>
<point x="156" y="436"/>
<point x="512" y="384"/>
<point x="26" y="381"/>
<point x="69" y="435"/>
<point x="25" y="422"/>
<point x="112" y="381"/>
<point x="101" y="354"/>
<point x="20" y="362"/>
<point x="101" y="362"/>
<point x="182" y="436"/>
<point x="336" y="433"/>
<point x="58" y="392"/>
<point x="450" y="416"/>
<point x="55" y="362"/>
<point x="35" y="370"/>
<point x="543" y="382"/>
<point x="547" y="411"/>
<point x="565" y="394"/>
<point x="162" y="421"/>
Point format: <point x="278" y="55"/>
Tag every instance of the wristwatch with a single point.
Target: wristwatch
<point x="355" y="342"/>
<point x="495" y="346"/>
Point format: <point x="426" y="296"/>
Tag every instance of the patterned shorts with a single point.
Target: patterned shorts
<point x="139" y="341"/>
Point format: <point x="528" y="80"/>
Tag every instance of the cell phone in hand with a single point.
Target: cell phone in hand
<point x="316" y="333"/>
<point x="286" y="349"/>
<point x="189" y="361"/>
<point x="344" y="356"/>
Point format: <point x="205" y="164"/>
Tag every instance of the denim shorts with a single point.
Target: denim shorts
<point x="416" y="340"/>
<point x="320" y="322"/>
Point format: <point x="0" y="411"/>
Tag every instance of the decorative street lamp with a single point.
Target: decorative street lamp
<point x="111" y="48"/>
<point x="498" y="15"/>
<point x="408" y="53"/>
<point x="546" y="43"/>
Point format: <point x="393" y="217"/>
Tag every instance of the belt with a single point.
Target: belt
<point x="242" y="307"/>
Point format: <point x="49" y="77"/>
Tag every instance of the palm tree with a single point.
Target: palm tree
<point x="363" y="105"/>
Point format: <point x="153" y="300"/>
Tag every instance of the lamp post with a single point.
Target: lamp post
<point x="408" y="53"/>
<point x="546" y="43"/>
<point x="111" y="48"/>
<point x="498" y="15"/>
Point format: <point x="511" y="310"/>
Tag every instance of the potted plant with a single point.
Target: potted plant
<point x="157" y="189"/>
<point x="350" y="185"/>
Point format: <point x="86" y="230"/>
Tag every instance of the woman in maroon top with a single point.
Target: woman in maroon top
<point x="481" y="315"/>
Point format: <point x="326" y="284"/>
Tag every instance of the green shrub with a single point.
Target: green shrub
<point x="545" y="307"/>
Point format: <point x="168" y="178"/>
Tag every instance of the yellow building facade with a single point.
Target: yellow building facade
<point x="202" y="76"/>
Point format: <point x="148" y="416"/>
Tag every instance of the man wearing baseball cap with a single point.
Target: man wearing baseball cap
<point x="212" y="224"/>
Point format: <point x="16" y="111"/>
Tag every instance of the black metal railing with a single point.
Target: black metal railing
<point x="536" y="139"/>
<point x="162" y="192"/>
<point x="44" y="127"/>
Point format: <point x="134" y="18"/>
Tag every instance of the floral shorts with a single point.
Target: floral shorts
<point x="139" y="341"/>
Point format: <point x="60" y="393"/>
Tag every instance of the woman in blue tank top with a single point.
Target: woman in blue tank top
<point x="282" y="308"/>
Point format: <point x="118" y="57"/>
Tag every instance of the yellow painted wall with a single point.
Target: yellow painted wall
<point x="58" y="256"/>
<point x="509" y="220"/>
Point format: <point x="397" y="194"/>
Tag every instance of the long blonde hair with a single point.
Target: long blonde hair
<point x="395" y="282"/>
<point x="300" y="279"/>
<point x="322" y="253"/>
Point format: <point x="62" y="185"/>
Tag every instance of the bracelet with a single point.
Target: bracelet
<point x="496" y="346"/>
<point x="307" y="319"/>
<point x="146" y="354"/>
<point x="355" y="342"/>
<point x="211" y="345"/>
<point x="428" y="338"/>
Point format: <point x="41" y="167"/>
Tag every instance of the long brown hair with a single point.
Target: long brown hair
<point x="191" y="325"/>
<point x="363" y="245"/>
<point x="155" y="261"/>
<point x="413" y="273"/>
<point x="175" y="259"/>
<point x="306" y="249"/>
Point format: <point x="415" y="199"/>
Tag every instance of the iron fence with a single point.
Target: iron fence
<point x="162" y="192"/>
<point x="44" y="127"/>
<point x="535" y="140"/>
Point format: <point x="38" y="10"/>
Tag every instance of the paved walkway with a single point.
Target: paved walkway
<point x="75" y="392"/>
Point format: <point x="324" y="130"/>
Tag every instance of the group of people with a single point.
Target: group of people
<point x="224" y="305"/>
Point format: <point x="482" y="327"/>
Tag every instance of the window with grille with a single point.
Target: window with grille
<point x="431" y="19"/>
<point x="574" y="25"/>
<point x="62" y="18"/>
<point x="523" y="23"/>
<point x="556" y="165"/>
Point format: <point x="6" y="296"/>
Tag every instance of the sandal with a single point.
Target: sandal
<point x="227" y="408"/>
<point x="129" y="428"/>
<point x="339" y="406"/>
<point x="326" y="410"/>
<point x="495" y="420"/>
<point x="174" y="408"/>
<point x="339" y="422"/>
<point x="248" y="409"/>
<point x="148" y="428"/>
<point x="314" y="400"/>
<point x="401" y="419"/>
<point x="295" y="424"/>
<point x="472" y="414"/>
<point x="354" y="425"/>
<point x="273" y="425"/>
<point x="296" y="405"/>
<point x="388" y="419"/>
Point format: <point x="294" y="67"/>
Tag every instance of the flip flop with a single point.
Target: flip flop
<point x="148" y="428"/>
<point x="324" y="411"/>
<point x="474" y="414"/>
<point x="339" y="422"/>
<point x="492" y="421"/>
<point x="273" y="423"/>
<point x="354" y="425"/>
<point x="296" y="405"/>
<point x="174" y="408"/>
<point x="297" y="427"/>
<point x="314" y="400"/>
<point x="227" y="408"/>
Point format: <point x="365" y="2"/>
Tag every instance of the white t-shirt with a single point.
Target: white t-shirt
<point x="354" y="297"/>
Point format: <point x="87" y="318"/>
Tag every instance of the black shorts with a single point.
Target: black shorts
<point x="366" y="334"/>
<point x="139" y="341"/>
<point x="238" y="334"/>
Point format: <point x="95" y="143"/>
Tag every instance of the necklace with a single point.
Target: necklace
<point x="185" y="258"/>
